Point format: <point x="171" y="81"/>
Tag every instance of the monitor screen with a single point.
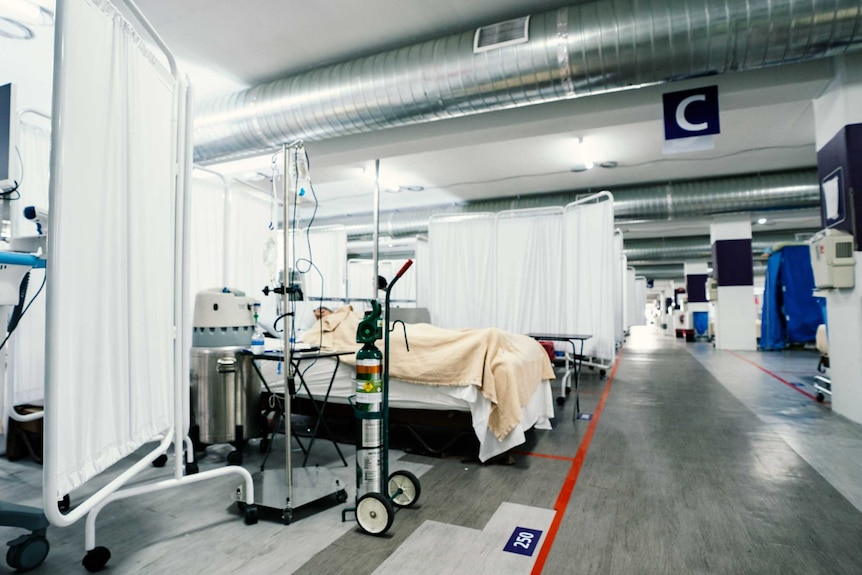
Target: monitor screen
<point x="8" y="133"/>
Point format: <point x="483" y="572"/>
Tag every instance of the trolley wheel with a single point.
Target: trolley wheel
<point x="602" y="374"/>
<point x="820" y="396"/>
<point x="404" y="488"/>
<point x="287" y="515"/>
<point x="561" y="400"/>
<point x="191" y="467"/>
<point x="27" y="552"/>
<point x="374" y="513"/>
<point x="160" y="460"/>
<point x="234" y="457"/>
<point x="95" y="559"/>
<point x="341" y="496"/>
<point x="64" y="504"/>
<point x="250" y="514"/>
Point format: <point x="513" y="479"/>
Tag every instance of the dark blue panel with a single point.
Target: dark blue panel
<point x="732" y="263"/>
<point x="840" y="160"/>
<point x="691" y="113"/>
<point x="695" y="286"/>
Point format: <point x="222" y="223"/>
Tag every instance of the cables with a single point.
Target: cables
<point x="21" y="296"/>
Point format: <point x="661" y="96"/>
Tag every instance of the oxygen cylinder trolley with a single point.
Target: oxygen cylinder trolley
<point x="375" y="508"/>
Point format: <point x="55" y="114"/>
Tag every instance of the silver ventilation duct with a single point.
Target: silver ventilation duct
<point x="677" y="271"/>
<point x="780" y="191"/>
<point x="581" y="50"/>
<point x="690" y="248"/>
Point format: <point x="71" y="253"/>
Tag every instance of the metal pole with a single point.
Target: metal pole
<point x="375" y="248"/>
<point x="285" y="333"/>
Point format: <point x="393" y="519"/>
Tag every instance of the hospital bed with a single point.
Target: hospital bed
<point x="458" y="409"/>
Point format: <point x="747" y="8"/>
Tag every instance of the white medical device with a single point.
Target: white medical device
<point x="832" y="259"/>
<point x="222" y="317"/>
<point x="38" y="216"/>
<point x="8" y="138"/>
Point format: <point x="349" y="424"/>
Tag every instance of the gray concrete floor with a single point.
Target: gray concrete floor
<point x="698" y="463"/>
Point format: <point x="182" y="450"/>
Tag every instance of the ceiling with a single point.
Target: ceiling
<point x="225" y="45"/>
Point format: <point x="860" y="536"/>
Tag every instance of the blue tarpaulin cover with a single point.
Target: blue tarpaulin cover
<point x="791" y="313"/>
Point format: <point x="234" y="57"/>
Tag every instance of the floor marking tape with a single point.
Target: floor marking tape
<point x="572" y="477"/>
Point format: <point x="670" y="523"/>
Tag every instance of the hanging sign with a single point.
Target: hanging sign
<point x="690" y="120"/>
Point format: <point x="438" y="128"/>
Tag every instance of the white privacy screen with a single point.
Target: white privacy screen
<point x="110" y="354"/>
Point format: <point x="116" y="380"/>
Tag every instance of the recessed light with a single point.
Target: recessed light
<point x="413" y="188"/>
<point x="761" y="221"/>
<point x="610" y="164"/>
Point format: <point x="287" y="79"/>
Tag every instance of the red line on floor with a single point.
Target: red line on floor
<point x="545" y="455"/>
<point x="776" y="376"/>
<point x="572" y="477"/>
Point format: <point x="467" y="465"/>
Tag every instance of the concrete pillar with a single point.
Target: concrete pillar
<point x="735" y="312"/>
<point x="838" y="124"/>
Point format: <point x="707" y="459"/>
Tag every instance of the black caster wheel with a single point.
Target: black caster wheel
<point x="250" y="514"/>
<point x="191" y="467"/>
<point x="341" y="496"/>
<point x="95" y="559"/>
<point x="820" y="397"/>
<point x="287" y="516"/>
<point x="234" y="457"/>
<point x="27" y="552"/>
<point x="64" y="504"/>
<point x="602" y="373"/>
<point x="561" y="400"/>
<point x="404" y="488"/>
<point x="160" y="460"/>
<point x="374" y="513"/>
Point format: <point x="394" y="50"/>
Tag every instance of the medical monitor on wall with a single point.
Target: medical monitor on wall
<point x="8" y="137"/>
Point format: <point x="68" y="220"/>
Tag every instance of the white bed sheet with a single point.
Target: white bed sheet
<point x="537" y="413"/>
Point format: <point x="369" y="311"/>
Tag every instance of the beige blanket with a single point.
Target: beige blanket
<point x="507" y="367"/>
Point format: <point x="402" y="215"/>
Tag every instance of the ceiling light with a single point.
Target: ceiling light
<point x="609" y="164"/>
<point x="26" y="12"/>
<point x="761" y="221"/>
<point x="582" y="160"/>
<point x="413" y="188"/>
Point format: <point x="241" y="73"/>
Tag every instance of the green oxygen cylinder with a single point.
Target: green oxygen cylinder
<point x="369" y="404"/>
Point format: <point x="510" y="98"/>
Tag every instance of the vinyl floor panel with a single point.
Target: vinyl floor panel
<point x="699" y="463"/>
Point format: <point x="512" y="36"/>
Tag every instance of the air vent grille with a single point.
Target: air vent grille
<point x="844" y="249"/>
<point x="501" y="34"/>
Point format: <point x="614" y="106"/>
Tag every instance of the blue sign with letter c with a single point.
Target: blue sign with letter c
<point x="691" y="113"/>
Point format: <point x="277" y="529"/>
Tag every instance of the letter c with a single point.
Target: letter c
<point x="680" y="114"/>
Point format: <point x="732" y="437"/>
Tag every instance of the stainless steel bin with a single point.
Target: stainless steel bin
<point x="225" y="394"/>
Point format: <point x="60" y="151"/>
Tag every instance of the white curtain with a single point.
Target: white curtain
<point x="26" y="370"/>
<point x="247" y="237"/>
<point x="423" y="273"/>
<point x="206" y="235"/>
<point x="529" y="284"/>
<point x="360" y="280"/>
<point x="591" y="274"/>
<point x="631" y="298"/>
<point x="462" y="268"/>
<point x="621" y="263"/>
<point x="640" y="301"/>
<point x="111" y="258"/>
<point x="326" y="249"/>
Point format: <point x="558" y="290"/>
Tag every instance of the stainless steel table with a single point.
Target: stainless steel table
<point x="573" y="371"/>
